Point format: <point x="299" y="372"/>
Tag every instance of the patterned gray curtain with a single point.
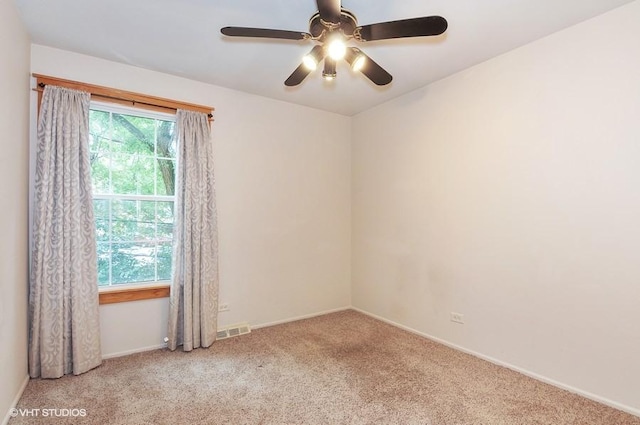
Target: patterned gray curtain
<point x="64" y="334"/>
<point x="193" y="310"/>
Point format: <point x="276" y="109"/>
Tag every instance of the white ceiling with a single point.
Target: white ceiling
<point x="182" y="37"/>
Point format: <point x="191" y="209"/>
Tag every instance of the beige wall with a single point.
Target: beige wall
<point x="283" y="193"/>
<point x="14" y="189"/>
<point x="510" y="193"/>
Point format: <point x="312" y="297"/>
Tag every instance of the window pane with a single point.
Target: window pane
<point x="132" y="262"/>
<point x="164" y="260"/>
<point x="166" y="177"/>
<point x="132" y="174"/>
<point x="132" y="220"/>
<point x="99" y="123"/>
<point x="103" y="263"/>
<point x="164" y="215"/>
<point x="124" y="220"/>
<point x="165" y="141"/>
<point x="101" y="214"/>
<point x="133" y="135"/>
<point x="100" y="172"/>
<point x="147" y="220"/>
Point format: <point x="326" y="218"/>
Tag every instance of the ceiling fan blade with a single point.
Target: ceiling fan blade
<point x="372" y="70"/>
<point x="329" y="10"/>
<point x="264" y="33"/>
<point x="302" y="71"/>
<point x="297" y="76"/>
<point x="416" y="27"/>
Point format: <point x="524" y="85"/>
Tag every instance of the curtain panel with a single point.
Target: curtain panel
<point x="64" y="334"/>
<point x="193" y="308"/>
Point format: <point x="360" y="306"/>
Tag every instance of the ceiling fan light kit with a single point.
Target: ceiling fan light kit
<point x="310" y="62"/>
<point x="329" y="71"/>
<point x="356" y="59"/>
<point x="332" y="27"/>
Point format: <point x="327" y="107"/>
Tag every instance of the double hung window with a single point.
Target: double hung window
<point x="133" y="170"/>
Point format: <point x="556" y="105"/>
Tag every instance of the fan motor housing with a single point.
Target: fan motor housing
<point x="348" y="24"/>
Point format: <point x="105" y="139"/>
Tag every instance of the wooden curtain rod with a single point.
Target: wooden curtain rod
<point x="122" y="97"/>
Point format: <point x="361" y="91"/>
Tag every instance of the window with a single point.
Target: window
<point x="133" y="165"/>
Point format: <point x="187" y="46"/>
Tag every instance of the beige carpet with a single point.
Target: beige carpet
<point x="342" y="368"/>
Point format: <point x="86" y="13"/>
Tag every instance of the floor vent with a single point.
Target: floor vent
<point x="234" y="330"/>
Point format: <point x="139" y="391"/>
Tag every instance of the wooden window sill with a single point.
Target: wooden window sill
<point x="133" y="294"/>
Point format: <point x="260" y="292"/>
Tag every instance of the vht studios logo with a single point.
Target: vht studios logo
<point x="48" y="412"/>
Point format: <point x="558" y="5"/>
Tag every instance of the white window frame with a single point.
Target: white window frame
<point x="119" y="109"/>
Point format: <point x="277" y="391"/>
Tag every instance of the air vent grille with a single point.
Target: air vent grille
<point x="234" y="330"/>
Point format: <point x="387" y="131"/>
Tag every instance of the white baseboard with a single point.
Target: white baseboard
<point x="306" y="316"/>
<point x="586" y="394"/>
<point x="15" y="401"/>
<point x="134" y="351"/>
<point x="262" y="325"/>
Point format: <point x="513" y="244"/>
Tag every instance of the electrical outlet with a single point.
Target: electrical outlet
<point x="457" y="317"/>
<point x="223" y="307"/>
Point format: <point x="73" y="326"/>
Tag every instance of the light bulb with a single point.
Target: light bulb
<point x="358" y="62"/>
<point x="310" y="62"/>
<point x="337" y="49"/>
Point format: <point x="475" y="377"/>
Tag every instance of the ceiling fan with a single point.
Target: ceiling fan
<point x="332" y="26"/>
